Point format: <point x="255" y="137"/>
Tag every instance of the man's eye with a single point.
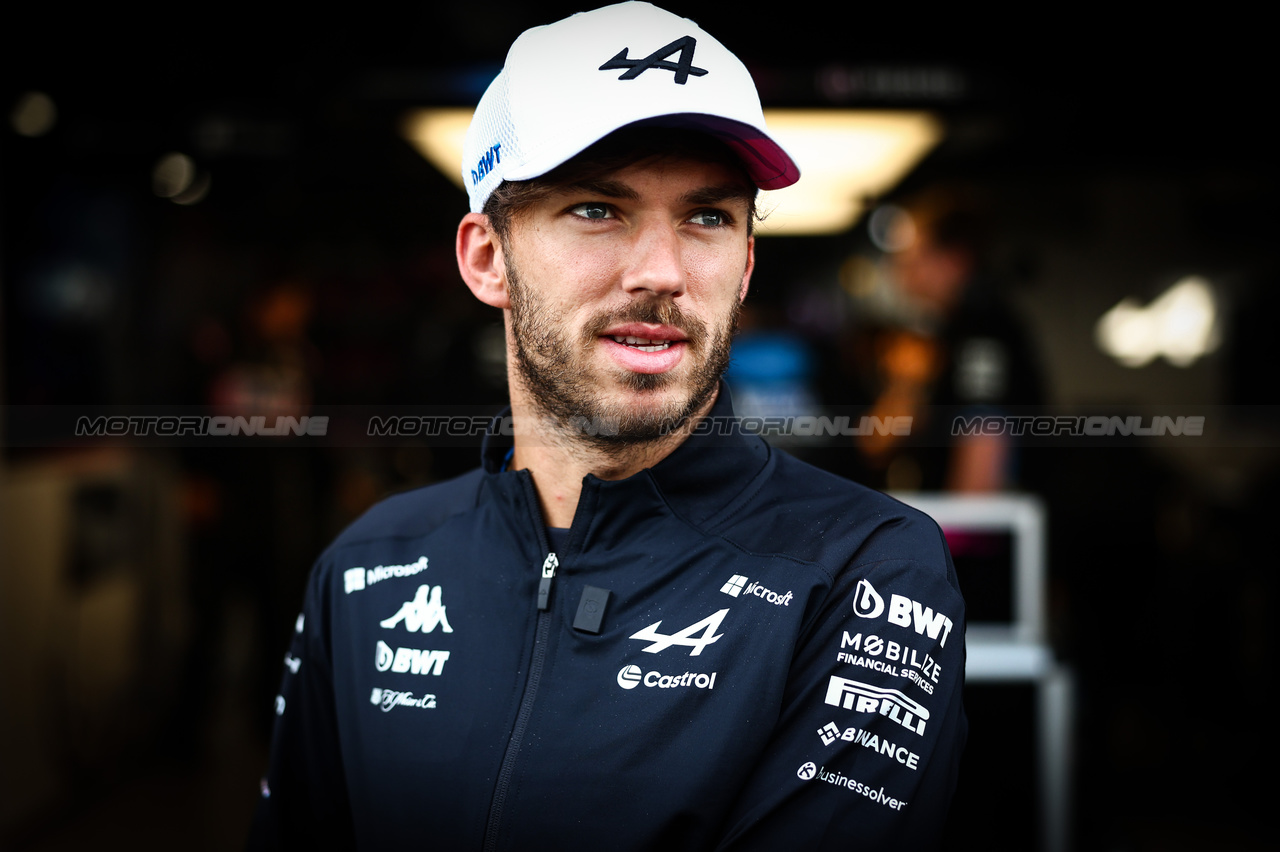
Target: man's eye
<point x="710" y="218"/>
<point x="592" y="211"/>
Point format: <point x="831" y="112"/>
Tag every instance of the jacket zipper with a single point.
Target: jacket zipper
<point x="542" y="630"/>
<point x="549" y="566"/>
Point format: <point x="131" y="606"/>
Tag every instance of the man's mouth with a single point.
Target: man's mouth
<point x="643" y="344"/>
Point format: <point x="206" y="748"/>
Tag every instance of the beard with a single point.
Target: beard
<point x="552" y="364"/>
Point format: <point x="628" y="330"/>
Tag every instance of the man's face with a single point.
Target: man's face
<point x="625" y="294"/>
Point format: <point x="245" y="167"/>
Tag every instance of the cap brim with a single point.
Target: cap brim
<point x="766" y="162"/>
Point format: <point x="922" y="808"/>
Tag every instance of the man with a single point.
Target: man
<point x="952" y="343"/>
<point x="635" y="627"/>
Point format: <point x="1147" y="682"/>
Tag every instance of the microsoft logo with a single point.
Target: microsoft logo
<point x="734" y="586"/>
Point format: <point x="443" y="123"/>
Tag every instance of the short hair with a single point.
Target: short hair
<point x="618" y="150"/>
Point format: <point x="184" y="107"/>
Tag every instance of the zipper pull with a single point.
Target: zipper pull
<point x="549" y="566"/>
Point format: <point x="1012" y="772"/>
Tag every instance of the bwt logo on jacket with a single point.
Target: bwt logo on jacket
<point x="903" y="612"/>
<point x="410" y="660"/>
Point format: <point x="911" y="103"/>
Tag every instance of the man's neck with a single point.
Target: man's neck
<point x="558" y="460"/>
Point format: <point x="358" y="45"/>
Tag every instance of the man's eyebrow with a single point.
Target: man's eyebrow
<point x="605" y="188"/>
<point x="719" y="193"/>
<point x="709" y="195"/>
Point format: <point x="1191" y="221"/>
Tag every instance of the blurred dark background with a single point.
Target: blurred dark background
<point x="146" y="591"/>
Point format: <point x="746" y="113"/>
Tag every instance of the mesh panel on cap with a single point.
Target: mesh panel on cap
<point x="491" y="126"/>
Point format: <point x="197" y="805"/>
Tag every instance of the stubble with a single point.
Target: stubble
<point x="551" y="362"/>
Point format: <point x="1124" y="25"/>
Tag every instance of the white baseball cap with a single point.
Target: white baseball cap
<point x="569" y="84"/>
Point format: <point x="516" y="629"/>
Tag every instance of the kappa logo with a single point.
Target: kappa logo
<point x="707" y="627"/>
<point x="658" y="59"/>
<point x="423" y="613"/>
<point x="903" y="612"/>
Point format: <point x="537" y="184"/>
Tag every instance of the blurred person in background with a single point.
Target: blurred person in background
<point x="624" y="630"/>
<point x="941" y="342"/>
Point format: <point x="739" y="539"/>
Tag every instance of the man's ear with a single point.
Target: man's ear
<point x="751" y="265"/>
<point x="481" y="262"/>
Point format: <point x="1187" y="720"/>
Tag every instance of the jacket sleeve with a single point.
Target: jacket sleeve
<point x="867" y="746"/>
<point x="303" y="801"/>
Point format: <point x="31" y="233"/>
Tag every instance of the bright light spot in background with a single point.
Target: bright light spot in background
<point x="34" y="114"/>
<point x="1181" y="324"/>
<point x="176" y="178"/>
<point x="890" y="228"/>
<point x="439" y="134"/>
<point x="845" y="156"/>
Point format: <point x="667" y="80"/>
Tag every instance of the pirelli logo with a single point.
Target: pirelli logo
<point x="865" y="698"/>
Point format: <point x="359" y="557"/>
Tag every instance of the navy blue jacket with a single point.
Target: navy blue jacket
<point x="730" y="650"/>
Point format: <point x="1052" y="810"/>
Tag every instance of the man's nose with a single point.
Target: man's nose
<point x="656" y="262"/>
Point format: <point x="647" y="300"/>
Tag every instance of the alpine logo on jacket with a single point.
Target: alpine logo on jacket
<point x="662" y="641"/>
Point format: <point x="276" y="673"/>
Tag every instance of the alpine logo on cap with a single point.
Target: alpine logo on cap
<point x="658" y="59"/>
